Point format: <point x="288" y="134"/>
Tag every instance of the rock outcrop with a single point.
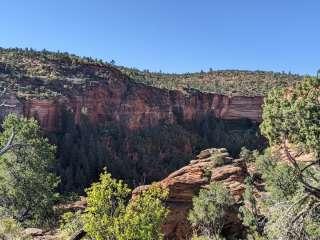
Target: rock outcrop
<point x="138" y="106"/>
<point x="186" y="182"/>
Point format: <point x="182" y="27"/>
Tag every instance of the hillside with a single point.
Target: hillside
<point x="226" y="82"/>
<point x="45" y="73"/>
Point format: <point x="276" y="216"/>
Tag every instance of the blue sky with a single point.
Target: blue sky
<point x="172" y="35"/>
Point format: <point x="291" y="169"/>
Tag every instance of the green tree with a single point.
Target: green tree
<point x="291" y="119"/>
<point x="111" y="216"/>
<point x="293" y="115"/>
<point x="144" y="216"/>
<point x="106" y="203"/>
<point x="209" y="208"/>
<point x="281" y="180"/>
<point x="27" y="184"/>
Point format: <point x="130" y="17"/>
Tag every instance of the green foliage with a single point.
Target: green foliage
<point x="215" y="237"/>
<point x="282" y="183"/>
<point x="208" y="212"/>
<point x="250" y="212"/>
<point x="294" y="114"/>
<point x="144" y="216"/>
<point x="44" y="74"/>
<point x="228" y="82"/>
<point x="286" y="212"/>
<point x="82" y="151"/>
<point x="27" y="183"/>
<point x="109" y="215"/>
<point x="10" y="229"/>
<point x="281" y="180"/>
<point x="106" y="203"/>
<point x="297" y="218"/>
<point x="207" y="174"/>
<point x="71" y="222"/>
<point x="247" y="155"/>
<point x="218" y="159"/>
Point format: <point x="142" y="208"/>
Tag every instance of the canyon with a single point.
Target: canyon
<point x="133" y="122"/>
<point x="137" y="106"/>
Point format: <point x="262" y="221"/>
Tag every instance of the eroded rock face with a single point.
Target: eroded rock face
<point x="186" y="182"/>
<point x="10" y="105"/>
<point x="139" y="106"/>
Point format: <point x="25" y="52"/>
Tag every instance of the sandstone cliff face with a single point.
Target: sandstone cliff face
<point x="15" y="106"/>
<point x="186" y="182"/>
<point x="138" y="106"/>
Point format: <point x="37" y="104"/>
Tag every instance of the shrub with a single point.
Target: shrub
<point x="209" y="208"/>
<point x="247" y="155"/>
<point x="11" y="229"/>
<point x="71" y="222"/>
<point x="110" y="216"/>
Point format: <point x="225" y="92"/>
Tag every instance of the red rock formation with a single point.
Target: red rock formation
<point x="186" y="182"/>
<point x="138" y="106"/>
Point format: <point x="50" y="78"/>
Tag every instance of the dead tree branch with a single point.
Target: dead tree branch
<point x="2" y="96"/>
<point x="313" y="190"/>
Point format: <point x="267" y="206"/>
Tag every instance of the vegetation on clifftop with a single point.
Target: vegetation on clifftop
<point x="44" y="73"/>
<point x="226" y="82"/>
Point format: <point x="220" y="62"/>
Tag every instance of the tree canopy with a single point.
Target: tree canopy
<point x="27" y="184"/>
<point x="291" y="120"/>
<point x="209" y="208"/>
<point x="111" y="216"/>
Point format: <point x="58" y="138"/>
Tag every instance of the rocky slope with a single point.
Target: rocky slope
<point x="186" y="182"/>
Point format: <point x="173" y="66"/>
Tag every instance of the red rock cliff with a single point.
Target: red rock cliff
<point x="139" y="106"/>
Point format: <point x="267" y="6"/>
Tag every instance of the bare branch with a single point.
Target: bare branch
<point x="2" y="95"/>
<point x="309" y="165"/>
<point x="10" y="144"/>
<point x="315" y="191"/>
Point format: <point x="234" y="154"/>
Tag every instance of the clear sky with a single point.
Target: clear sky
<point x="172" y="35"/>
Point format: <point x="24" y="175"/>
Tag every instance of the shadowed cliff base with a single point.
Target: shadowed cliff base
<point x="141" y="156"/>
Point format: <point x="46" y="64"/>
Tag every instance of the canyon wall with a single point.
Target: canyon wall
<point x="140" y="133"/>
<point x="138" y="106"/>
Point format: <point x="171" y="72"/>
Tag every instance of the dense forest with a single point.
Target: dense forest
<point x="141" y="156"/>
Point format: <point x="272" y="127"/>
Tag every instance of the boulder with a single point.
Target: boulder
<point x="185" y="183"/>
